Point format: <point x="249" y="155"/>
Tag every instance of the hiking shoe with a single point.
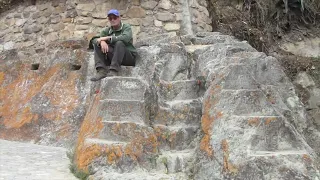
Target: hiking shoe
<point x="112" y="73"/>
<point x="101" y="73"/>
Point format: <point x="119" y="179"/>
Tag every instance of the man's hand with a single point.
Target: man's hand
<point x="104" y="47"/>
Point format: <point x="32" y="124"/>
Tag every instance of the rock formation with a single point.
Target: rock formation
<point x="203" y="106"/>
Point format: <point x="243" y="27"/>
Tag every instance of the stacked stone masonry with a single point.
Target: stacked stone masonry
<point x="47" y="21"/>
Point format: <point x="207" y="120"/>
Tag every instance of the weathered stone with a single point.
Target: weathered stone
<point x="43" y="20"/>
<point x="83" y="20"/>
<point x="26" y="14"/>
<point x="32" y="29"/>
<point x="8" y="45"/>
<point x="149" y="4"/>
<point x="158" y="23"/>
<point x="304" y="80"/>
<point x="51" y="37"/>
<point x="165" y="16"/>
<point x="55" y="3"/>
<point x="16" y="29"/>
<point x="58" y="27"/>
<point x="55" y="19"/>
<point x="178" y="16"/>
<point x="82" y="27"/>
<point x="133" y="21"/>
<point x="18" y="15"/>
<point x="86" y="7"/>
<point x="1" y="48"/>
<point x="101" y="10"/>
<point x="99" y="14"/>
<point x="27" y="44"/>
<point x="35" y="15"/>
<point x="71" y="13"/>
<point x="20" y="22"/>
<point x="136" y="12"/>
<point x="147" y="21"/>
<point x="46" y="13"/>
<point x="165" y="4"/>
<point x="100" y="22"/>
<point x="10" y="22"/>
<point x="172" y="27"/>
<point x="59" y="10"/>
<point x="135" y="31"/>
<point x="135" y="2"/>
<point x="78" y="34"/>
<point x="65" y="34"/>
<point x="42" y="7"/>
<point x="30" y="9"/>
<point x="67" y="20"/>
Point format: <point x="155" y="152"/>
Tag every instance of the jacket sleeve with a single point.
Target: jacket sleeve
<point x="125" y="36"/>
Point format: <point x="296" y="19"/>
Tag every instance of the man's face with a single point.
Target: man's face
<point x="114" y="20"/>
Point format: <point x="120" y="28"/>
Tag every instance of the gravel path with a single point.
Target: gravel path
<point x="23" y="161"/>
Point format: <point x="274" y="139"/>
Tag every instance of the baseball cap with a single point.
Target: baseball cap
<point x="114" y="12"/>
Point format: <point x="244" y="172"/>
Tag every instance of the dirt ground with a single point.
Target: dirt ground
<point x="267" y="23"/>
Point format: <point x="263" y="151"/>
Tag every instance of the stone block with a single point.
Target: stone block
<point x="175" y="113"/>
<point x="86" y="7"/>
<point x="136" y="12"/>
<point x="124" y="111"/>
<point x="124" y="131"/>
<point x="179" y="90"/>
<point x="172" y="27"/>
<point x="175" y="67"/>
<point x="20" y="22"/>
<point x="166" y="16"/>
<point x="82" y="27"/>
<point x="100" y="22"/>
<point x="165" y="4"/>
<point x="149" y="5"/>
<point x="175" y="137"/>
<point x="121" y="88"/>
<point x="158" y="23"/>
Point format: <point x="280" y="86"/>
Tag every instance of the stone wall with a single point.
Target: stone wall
<point x="38" y="25"/>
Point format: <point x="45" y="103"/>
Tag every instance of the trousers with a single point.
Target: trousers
<point x="117" y="55"/>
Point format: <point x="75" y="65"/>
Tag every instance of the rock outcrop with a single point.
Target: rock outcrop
<point x="197" y="107"/>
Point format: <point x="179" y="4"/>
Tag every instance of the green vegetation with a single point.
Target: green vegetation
<point x="73" y="167"/>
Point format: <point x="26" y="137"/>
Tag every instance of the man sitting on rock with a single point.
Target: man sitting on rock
<point x="113" y="47"/>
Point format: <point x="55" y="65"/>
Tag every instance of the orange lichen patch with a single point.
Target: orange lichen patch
<point x="63" y="96"/>
<point x="18" y="94"/>
<point x="25" y="117"/>
<point x="205" y="145"/>
<point x="307" y="158"/>
<point x="254" y="121"/>
<point x="114" y="153"/>
<point x="1" y="77"/>
<point x="87" y="155"/>
<point x="269" y="120"/>
<point x="91" y="127"/>
<point x="227" y="166"/>
<point x="206" y="124"/>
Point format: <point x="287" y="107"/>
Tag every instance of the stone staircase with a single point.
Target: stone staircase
<point x="150" y="117"/>
<point x="127" y="121"/>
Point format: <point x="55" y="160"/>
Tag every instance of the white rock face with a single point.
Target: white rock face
<point x="307" y="47"/>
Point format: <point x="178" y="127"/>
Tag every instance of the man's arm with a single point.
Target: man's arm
<point x="126" y="36"/>
<point x="103" y="33"/>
